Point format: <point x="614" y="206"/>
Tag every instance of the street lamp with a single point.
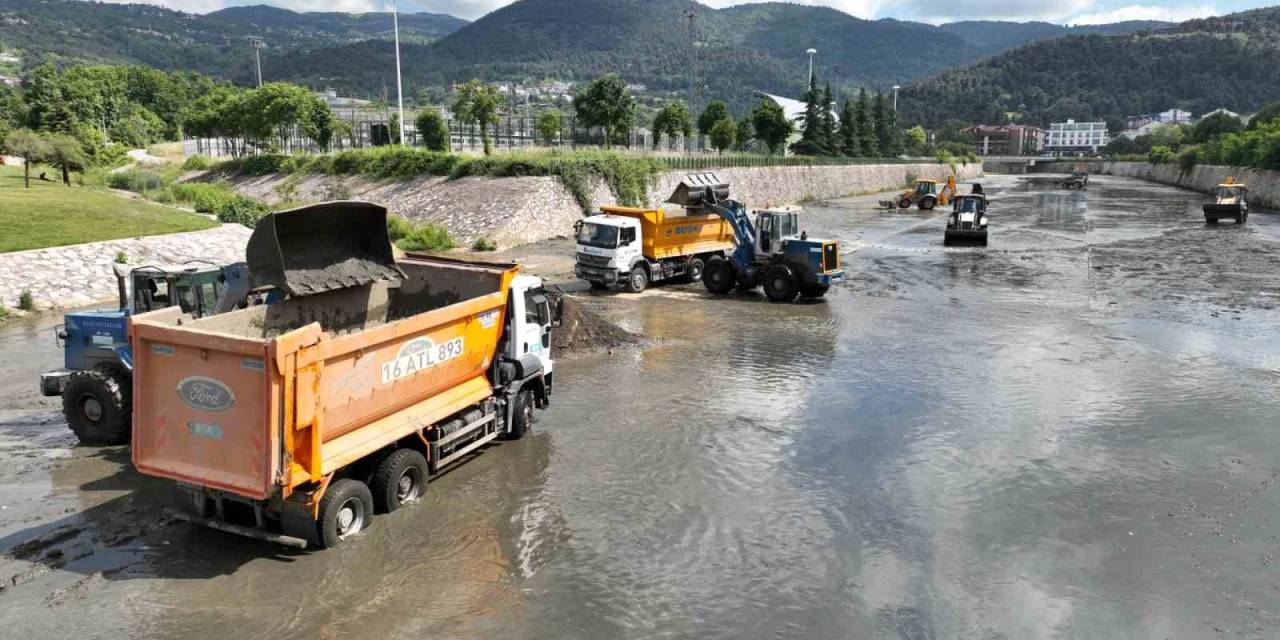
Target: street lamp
<point x="895" y="98"/>
<point x="811" y="52"/>
<point x="395" y="20"/>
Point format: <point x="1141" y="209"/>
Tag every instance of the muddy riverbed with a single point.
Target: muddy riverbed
<point x="1071" y="433"/>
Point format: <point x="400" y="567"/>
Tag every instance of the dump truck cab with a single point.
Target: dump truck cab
<point x="96" y="376"/>
<point x="608" y="246"/>
<point x="1231" y="200"/>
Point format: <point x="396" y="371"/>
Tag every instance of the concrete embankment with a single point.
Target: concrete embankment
<point x="1264" y="186"/>
<point x="515" y="211"/>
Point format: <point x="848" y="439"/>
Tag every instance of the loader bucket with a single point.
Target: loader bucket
<point x="322" y="247"/>
<point x="1216" y="211"/>
<point x="698" y="190"/>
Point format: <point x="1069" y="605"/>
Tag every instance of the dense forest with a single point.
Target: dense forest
<point x="1196" y="68"/>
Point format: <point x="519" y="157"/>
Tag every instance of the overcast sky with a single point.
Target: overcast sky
<point x="934" y="11"/>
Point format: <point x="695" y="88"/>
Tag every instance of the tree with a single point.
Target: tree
<point x="917" y="141"/>
<point x="771" y="124"/>
<point x="885" y="126"/>
<point x="29" y="146"/>
<point x="868" y="143"/>
<point x="827" y="123"/>
<point x="722" y="134"/>
<point x="548" y="126"/>
<point x="433" y="130"/>
<point x="716" y="111"/>
<point x="605" y="103"/>
<point x="813" y="139"/>
<point x="673" y="120"/>
<point x="1266" y="115"/>
<point x="47" y="108"/>
<point x="477" y="104"/>
<point x="393" y="127"/>
<point x="1215" y="126"/>
<point x="1168" y="135"/>
<point x="891" y="136"/>
<point x="65" y="153"/>
<point x="743" y="134"/>
<point x="847" y="134"/>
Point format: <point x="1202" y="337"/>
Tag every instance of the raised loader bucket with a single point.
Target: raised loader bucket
<point x="698" y="190"/>
<point x="322" y="247"/>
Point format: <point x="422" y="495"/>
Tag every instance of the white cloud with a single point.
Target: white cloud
<point x="1175" y="13"/>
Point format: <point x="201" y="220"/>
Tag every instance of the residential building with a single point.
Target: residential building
<point x="1072" y="136"/>
<point x="1006" y="139"/>
<point x="1143" y="124"/>
<point x="1224" y="112"/>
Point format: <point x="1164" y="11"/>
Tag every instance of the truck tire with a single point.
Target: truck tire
<point x="638" y="280"/>
<point x="718" y="276"/>
<point x="693" y="272"/>
<point x="780" y="283"/>
<point x="927" y="203"/>
<point x="401" y="478"/>
<point x="814" y="290"/>
<point x="522" y="419"/>
<point x="345" y="510"/>
<point x="97" y="408"/>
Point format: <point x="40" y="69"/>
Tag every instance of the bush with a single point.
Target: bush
<point x="4" y="313"/>
<point x="122" y="258"/>
<point x="427" y="236"/>
<point x="25" y="301"/>
<point x="197" y="163"/>
<point x="242" y="210"/>
<point x="398" y="227"/>
<point x="204" y="197"/>
<point x="484" y="244"/>
<point x="136" y="180"/>
<point x="1160" y="155"/>
<point x="261" y="165"/>
<point x="1188" y="158"/>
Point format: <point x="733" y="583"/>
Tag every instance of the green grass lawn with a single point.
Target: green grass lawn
<point x="51" y="215"/>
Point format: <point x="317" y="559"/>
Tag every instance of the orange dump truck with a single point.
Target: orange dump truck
<point x="295" y="421"/>
<point x="634" y="247"/>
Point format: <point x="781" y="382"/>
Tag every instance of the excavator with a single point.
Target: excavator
<point x="926" y="194"/>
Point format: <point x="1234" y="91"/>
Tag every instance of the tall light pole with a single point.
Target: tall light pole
<point x="895" y="98"/>
<point x="811" y="53"/>
<point x="258" y="44"/>
<point x="395" y="20"/>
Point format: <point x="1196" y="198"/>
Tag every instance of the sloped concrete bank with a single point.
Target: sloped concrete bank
<point x="515" y="211"/>
<point x="1264" y="186"/>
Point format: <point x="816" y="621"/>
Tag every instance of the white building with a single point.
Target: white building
<point x="1075" y="136"/>
<point x="1225" y="112"/>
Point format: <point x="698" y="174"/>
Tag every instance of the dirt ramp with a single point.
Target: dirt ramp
<point x="583" y="331"/>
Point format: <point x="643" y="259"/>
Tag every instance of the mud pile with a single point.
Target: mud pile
<point x="583" y="331"/>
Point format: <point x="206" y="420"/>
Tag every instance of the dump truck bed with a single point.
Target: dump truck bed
<point x="262" y="400"/>
<point x="669" y="236"/>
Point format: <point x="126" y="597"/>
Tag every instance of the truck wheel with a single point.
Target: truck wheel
<point x="927" y="203"/>
<point x="814" y="290"/>
<point x="400" y="478"/>
<point x="904" y="203"/>
<point x="522" y="419"/>
<point x="693" y="272"/>
<point x="638" y="280"/>
<point x="1211" y="220"/>
<point x="597" y="285"/>
<point x="97" y="408"/>
<point x="345" y="510"/>
<point x="780" y="283"/>
<point x="718" y="277"/>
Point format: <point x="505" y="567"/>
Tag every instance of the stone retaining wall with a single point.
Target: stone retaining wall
<point x="79" y="275"/>
<point x="1264" y="186"/>
<point x="515" y="211"/>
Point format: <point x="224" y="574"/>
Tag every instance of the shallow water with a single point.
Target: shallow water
<point x="1070" y="433"/>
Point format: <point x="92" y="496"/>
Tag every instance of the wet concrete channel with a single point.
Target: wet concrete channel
<point x="1070" y="433"/>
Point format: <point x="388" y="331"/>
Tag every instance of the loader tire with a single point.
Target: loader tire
<point x="638" y="280"/>
<point x="814" y="290"/>
<point x="97" y="408"/>
<point x="344" y="511"/>
<point x="780" y="283"/>
<point x="401" y="478"/>
<point x="927" y="203"/>
<point x="718" y="276"/>
<point x="904" y="203"/>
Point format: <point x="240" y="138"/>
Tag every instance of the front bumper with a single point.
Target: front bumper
<point x="831" y="277"/>
<point x="596" y="274"/>
<point x="52" y="383"/>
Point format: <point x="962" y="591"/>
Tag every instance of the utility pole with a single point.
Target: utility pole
<point x="895" y="99"/>
<point x="693" y="48"/>
<point x="258" y="45"/>
<point x="811" y="53"/>
<point x="395" y="20"/>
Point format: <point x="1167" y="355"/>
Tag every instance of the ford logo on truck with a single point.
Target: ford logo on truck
<point x="206" y="394"/>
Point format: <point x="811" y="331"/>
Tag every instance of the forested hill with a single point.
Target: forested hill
<point x="171" y="40"/>
<point x="1197" y="66"/>
<point x="994" y="37"/>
